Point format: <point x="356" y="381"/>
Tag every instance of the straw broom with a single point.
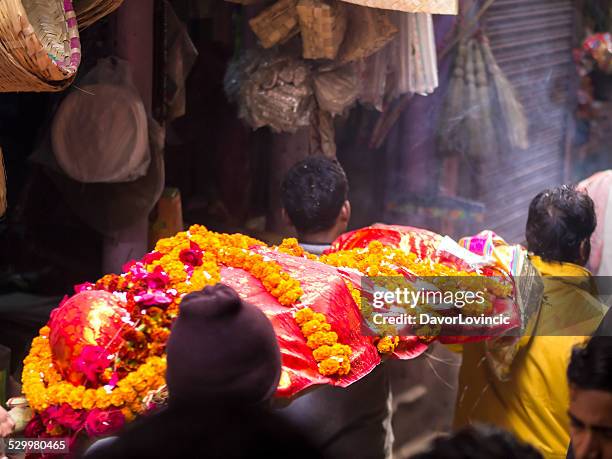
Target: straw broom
<point x="512" y="113"/>
<point x="450" y="128"/>
<point x="473" y="126"/>
<point x="487" y="132"/>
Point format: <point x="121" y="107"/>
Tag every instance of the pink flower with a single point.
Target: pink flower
<point x="152" y="298"/>
<point x="104" y="422"/>
<point x="114" y="379"/>
<point x="151" y="257"/>
<point x="91" y="363"/>
<point x="83" y="287"/>
<point x="35" y="428"/>
<point x="157" y="280"/>
<point x="127" y="267"/>
<point x="137" y="269"/>
<point x="191" y="256"/>
<point x="63" y="416"/>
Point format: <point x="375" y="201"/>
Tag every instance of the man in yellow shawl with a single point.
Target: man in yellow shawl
<point x="532" y="401"/>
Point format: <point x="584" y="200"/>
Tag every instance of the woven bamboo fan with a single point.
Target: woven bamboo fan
<point x="412" y="6"/>
<point x="276" y="24"/>
<point x="368" y="31"/>
<point x="90" y="11"/>
<point x="40" y="49"/>
<point x="322" y="26"/>
<point x="2" y="186"/>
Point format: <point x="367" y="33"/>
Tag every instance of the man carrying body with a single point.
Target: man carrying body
<point x="532" y="402"/>
<point x="352" y="422"/>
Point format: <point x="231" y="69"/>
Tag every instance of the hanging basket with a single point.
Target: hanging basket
<point x="90" y="11"/>
<point x="276" y="24"/>
<point x="412" y="6"/>
<point x="40" y="49"/>
<point x="322" y="26"/>
<point x="368" y="31"/>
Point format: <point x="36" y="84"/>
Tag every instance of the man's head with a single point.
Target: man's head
<point x="590" y="379"/>
<point x="221" y="350"/>
<point x="560" y="224"/>
<point x="315" y="199"/>
<point x="479" y="442"/>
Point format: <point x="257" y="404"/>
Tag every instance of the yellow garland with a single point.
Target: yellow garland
<point x="277" y="282"/>
<point x="43" y="386"/>
<point x="332" y="357"/>
<point x="387" y="344"/>
<point x="384" y="263"/>
<point x="290" y="246"/>
<point x="207" y="273"/>
<point x="380" y="260"/>
<point x="355" y="293"/>
<point x="369" y="263"/>
<point x="230" y="250"/>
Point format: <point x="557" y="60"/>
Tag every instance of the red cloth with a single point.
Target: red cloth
<point x="325" y="292"/>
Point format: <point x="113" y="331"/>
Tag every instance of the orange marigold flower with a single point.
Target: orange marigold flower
<point x="387" y="344"/>
<point x="313" y="326"/>
<point x="345" y="367"/>
<point x="335" y="365"/>
<point x="321" y="338"/>
<point x="304" y="315"/>
<point x="333" y="356"/>
<point x="322" y="353"/>
<point x="329" y="367"/>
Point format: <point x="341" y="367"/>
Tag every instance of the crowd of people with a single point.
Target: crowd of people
<point x="555" y="403"/>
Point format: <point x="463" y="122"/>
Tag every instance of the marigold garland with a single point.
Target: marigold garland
<point x="277" y="282"/>
<point x="290" y="246"/>
<point x="388" y="265"/>
<point x="230" y="250"/>
<point x="44" y="386"/>
<point x="154" y="287"/>
<point x="355" y="293"/>
<point x="387" y="344"/>
<point x="179" y="265"/>
<point x="206" y="273"/>
<point x="378" y="260"/>
<point x="332" y="357"/>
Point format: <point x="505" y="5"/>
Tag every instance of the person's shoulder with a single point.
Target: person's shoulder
<point x="149" y="436"/>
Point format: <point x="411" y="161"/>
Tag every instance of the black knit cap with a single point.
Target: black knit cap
<point x="222" y="350"/>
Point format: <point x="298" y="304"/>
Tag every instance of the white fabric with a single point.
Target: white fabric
<point x="315" y="249"/>
<point x="605" y="267"/>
